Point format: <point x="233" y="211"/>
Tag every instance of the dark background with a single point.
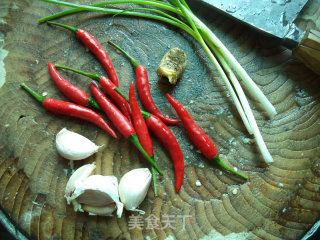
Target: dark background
<point x="4" y="234"/>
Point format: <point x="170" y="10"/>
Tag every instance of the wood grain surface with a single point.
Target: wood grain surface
<point x="280" y="201"/>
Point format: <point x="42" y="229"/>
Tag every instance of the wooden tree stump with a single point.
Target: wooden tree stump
<point x="280" y="201"/>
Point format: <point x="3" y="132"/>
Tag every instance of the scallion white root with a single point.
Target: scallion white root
<point x="252" y="122"/>
<point x="211" y="39"/>
<point x="243" y="100"/>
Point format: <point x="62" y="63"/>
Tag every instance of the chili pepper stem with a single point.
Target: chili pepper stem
<point x="218" y="160"/>
<point x="121" y="94"/>
<point x="134" y="140"/>
<point x="154" y="178"/>
<point x="145" y="115"/>
<point x="74" y="29"/>
<point x="134" y="62"/>
<point x="38" y="97"/>
<point x="93" y="103"/>
<point x="93" y="76"/>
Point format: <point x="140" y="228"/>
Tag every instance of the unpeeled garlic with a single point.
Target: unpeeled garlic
<point x="77" y="177"/>
<point x="101" y="211"/>
<point x="133" y="188"/>
<point x="95" y="194"/>
<point x="74" y="146"/>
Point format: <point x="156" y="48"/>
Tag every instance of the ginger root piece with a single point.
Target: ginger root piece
<point x="173" y="64"/>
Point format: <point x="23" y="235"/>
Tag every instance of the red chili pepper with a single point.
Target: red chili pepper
<point x="120" y="122"/>
<point x="142" y="130"/>
<point x="94" y="46"/>
<point x="139" y="123"/>
<point x="110" y="88"/>
<point x="144" y="89"/>
<point x="71" y="109"/>
<point x="198" y="137"/>
<point x="74" y="93"/>
<point x="117" y="118"/>
<point x="166" y="137"/>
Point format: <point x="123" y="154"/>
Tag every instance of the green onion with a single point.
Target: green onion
<point x="154" y="3"/>
<point x="217" y="45"/>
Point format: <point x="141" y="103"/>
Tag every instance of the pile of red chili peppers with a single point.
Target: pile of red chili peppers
<point x="127" y="117"/>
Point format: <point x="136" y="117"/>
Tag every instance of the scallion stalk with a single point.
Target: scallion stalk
<point x="217" y="45"/>
<point x="154" y="3"/>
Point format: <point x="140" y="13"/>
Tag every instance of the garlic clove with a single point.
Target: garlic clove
<point x="74" y="146"/>
<point x="133" y="188"/>
<point x="97" y="191"/>
<point x="94" y="197"/>
<point x="77" y="177"/>
<point x="100" y="211"/>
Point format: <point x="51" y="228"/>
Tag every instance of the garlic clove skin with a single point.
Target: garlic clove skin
<point x="77" y="207"/>
<point x="97" y="191"/>
<point x="100" y="211"/>
<point x="74" y="146"/>
<point x="76" y="178"/>
<point x="133" y="188"/>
